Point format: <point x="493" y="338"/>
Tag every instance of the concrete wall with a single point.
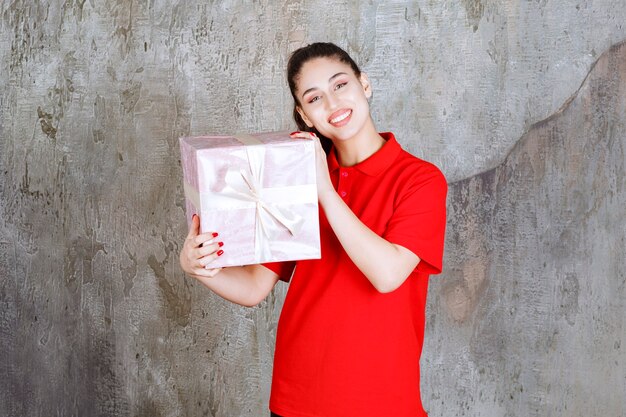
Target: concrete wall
<point x="530" y="317"/>
<point x="520" y="103"/>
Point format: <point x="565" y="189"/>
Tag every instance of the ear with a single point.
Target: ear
<point x="304" y="118"/>
<point x="365" y="83"/>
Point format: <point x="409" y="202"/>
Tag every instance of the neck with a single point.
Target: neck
<point x="358" y="148"/>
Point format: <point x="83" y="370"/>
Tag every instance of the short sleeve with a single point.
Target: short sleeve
<point x="418" y="221"/>
<point x="284" y="270"/>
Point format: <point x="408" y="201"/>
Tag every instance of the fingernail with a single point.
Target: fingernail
<point x="220" y="244"/>
<point x="215" y="234"/>
<point x="220" y="252"/>
<point x="312" y="134"/>
<point x="293" y="133"/>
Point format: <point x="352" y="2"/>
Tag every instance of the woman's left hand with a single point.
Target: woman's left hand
<point x="324" y="184"/>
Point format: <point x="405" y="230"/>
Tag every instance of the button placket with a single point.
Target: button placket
<point x="343" y="183"/>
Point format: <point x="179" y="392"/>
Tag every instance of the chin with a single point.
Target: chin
<point x="346" y="133"/>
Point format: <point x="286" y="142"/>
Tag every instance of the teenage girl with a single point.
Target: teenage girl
<point x="350" y="333"/>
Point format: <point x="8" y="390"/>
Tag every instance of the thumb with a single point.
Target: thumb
<point x="194" y="228"/>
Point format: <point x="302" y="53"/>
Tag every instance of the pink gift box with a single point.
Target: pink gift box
<point x="257" y="191"/>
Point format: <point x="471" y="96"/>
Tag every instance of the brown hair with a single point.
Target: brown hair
<point x="300" y="57"/>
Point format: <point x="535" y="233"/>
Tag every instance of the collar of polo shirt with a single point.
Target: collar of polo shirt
<point x="375" y="164"/>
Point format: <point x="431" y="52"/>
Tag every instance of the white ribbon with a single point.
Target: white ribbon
<point x="244" y="189"/>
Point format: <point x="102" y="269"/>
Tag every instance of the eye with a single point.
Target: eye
<point x="340" y="85"/>
<point x="314" y="99"/>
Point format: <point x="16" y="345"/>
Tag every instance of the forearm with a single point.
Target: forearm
<point x="385" y="264"/>
<point x="243" y="285"/>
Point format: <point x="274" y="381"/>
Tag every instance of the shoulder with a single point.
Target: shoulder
<point x="415" y="172"/>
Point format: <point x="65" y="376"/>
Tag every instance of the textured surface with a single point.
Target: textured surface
<point x="530" y="317"/>
<point x="96" y="317"/>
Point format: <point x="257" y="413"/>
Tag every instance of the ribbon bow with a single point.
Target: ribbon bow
<point x="247" y="186"/>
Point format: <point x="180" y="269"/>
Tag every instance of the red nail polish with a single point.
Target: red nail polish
<point x="312" y="134"/>
<point x="220" y="244"/>
<point x="215" y="234"/>
<point x="220" y="252"/>
<point x="293" y="133"/>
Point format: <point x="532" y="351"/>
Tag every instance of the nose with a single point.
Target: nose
<point x="331" y="101"/>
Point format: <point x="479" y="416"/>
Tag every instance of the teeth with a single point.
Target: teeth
<point x="340" y="118"/>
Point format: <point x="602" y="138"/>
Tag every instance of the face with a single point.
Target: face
<point x="332" y="98"/>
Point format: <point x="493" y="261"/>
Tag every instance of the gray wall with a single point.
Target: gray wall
<point x="522" y="104"/>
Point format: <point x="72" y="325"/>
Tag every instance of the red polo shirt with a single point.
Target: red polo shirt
<point x="342" y="348"/>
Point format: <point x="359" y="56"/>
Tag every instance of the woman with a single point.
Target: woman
<point x="350" y="333"/>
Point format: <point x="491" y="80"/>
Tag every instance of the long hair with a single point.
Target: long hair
<point x="300" y="57"/>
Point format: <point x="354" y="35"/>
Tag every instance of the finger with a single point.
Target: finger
<point x="204" y="251"/>
<point x="213" y="272"/>
<point x="209" y="273"/>
<point x="205" y="238"/>
<point x="194" y="228"/>
<point x="302" y="135"/>
<point x="206" y="260"/>
<point x="208" y="249"/>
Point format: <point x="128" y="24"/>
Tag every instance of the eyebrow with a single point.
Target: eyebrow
<point x="329" y="80"/>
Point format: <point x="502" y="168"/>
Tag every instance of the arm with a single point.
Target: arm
<point x="385" y="264"/>
<point x="243" y="285"/>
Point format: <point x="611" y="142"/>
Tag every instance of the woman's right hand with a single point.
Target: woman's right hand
<point x="199" y="250"/>
<point x="321" y="165"/>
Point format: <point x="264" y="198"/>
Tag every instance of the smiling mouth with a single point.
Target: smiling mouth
<point x="340" y="117"/>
